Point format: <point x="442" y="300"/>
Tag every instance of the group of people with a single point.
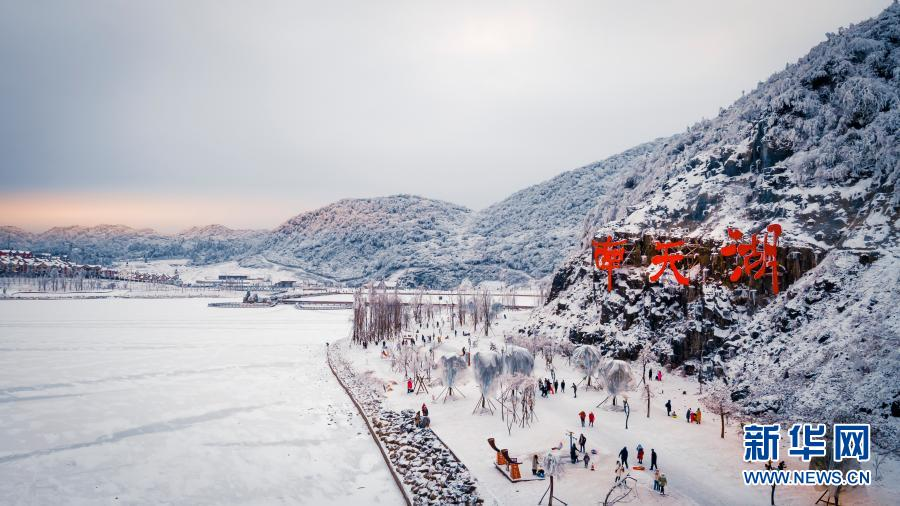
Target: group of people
<point x="582" y="445"/>
<point x="658" y="375"/>
<point x="659" y="479"/>
<point x="691" y="416"/>
<point x="422" y="420"/>
<point x="548" y="387"/>
<point x="590" y="418"/>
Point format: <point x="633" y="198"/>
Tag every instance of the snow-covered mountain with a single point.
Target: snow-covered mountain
<point x="418" y="241"/>
<point x="216" y="243"/>
<point x="402" y="237"/>
<point x="814" y="149"/>
<point x="108" y="243"/>
<point x="531" y="230"/>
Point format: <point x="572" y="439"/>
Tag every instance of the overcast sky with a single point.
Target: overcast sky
<point x="169" y="114"/>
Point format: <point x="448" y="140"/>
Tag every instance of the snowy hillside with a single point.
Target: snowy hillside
<point x="418" y="241"/>
<point x="531" y="230"/>
<point x="108" y="243"/>
<point x="354" y="240"/>
<point x="216" y="243"/>
<point x="815" y="149"/>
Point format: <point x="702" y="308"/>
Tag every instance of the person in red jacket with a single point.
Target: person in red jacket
<point x="582" y="415"/>
<point x="591" y="419"/>
<point x="424" y="409"/>
<point x="409" y="385"/>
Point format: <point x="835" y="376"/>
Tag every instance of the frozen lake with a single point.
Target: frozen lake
<point x="171" y="402"/>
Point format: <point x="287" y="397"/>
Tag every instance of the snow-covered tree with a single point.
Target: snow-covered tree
<point x="588" y="359"/>
<point x="619" y="378"/>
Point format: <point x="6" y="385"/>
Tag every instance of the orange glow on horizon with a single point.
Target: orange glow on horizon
<point x="37" y="212"/>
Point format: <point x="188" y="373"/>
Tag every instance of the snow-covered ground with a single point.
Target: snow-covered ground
<point x="171" y="402"/>
<point x="701" y="468"/>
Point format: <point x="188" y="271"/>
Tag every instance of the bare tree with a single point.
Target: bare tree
<point x="461" y="306"/>
<point x="879" y="455"/>
<point x="645" y="357"/>
<point x="718" y="401"/>
<point x="378" y="315"/>
<point x="647" y="394"/>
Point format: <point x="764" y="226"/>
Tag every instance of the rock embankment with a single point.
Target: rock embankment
<point x="429" y="472"/>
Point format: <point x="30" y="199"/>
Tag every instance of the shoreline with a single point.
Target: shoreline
<point x="409" y="452"/>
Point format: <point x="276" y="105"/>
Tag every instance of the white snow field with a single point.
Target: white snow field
<point x="122" y="401"/>
<point x="701" y="468"/>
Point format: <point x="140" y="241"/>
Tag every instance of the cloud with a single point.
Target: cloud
<point x="314" y="101"/>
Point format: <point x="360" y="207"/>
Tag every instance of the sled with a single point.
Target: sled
<point x="638" y="468"/>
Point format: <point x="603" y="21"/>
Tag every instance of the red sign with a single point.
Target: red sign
<point x="755" y="257"/>
<point x="667" y="260"/>
<point x="608" y="255"/>
<point x="758" y="255"/>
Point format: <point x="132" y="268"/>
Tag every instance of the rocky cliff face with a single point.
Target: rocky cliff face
<point x="704" y="311"/>
<point x="814" y="149"/>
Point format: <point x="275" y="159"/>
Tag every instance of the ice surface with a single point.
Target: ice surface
<point x="171" y="402"/>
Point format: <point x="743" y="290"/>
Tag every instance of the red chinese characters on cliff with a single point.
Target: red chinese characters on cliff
<point x="757" y="256"/>
<point x="608" y="256"/>
<point x="667" y="261"/>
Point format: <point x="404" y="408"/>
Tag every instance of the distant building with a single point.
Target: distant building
<point x="284" y="284"/>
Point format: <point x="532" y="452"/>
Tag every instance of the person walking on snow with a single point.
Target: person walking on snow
<point x="656" y="481"/>
<point x="623" y="456"/>
<point x="640" y="454"/>
<point x="619" y="471"/>
<point x="650" y="374"/>
<point x="534" y="465"/>
<point x="581" y="415"/>
<point x="687" y="416"/>
<point x="424" y="409"/>
<point x="562" y="386"/>
<point x="653" y="460"/>
<point x="669" y="407"/>
<point x="409" y="385"/>
<point x="591" y="419"/>
<point x="658" y="375"/>
<point x="587" y="460"/>
<point x="575" y="390"/>
<point x="581" y="442"/>
<point x="662" y="484"/>
<point x="697" y="416"/>
<point x="573" y="453"/>
<point x="555" y="386"/>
